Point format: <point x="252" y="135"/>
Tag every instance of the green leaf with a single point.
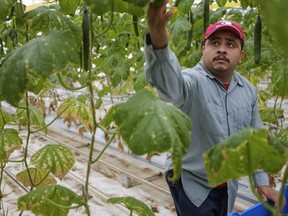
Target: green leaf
<point x="119" y="73"/>
<point x="140" y="3"/>
<point x="245" y="3"/>
<point x="36" y="116"/>
<point x="280" y="78"/>
<point x="221" y="3"/>
<point x="5" y="118"/>
<point x="140" y="81"/>
<point x="242" y="154"/>
<point x="278" y="10"/>
<point x="35" y="83"/>
<point x="19" y="9"/>
<point x="283" y="135"/>
<point x="39" y="201"/>
<point x="149" y="125"/>
<point x="69" y="6"/>
<point x="133" y="205"/>
<point x="37" y="176"/>
<point x="180" y="26"/>
<point x="108" y="118"/>
<point x="5" y="7"/>
<point x="72" y="109"/>
<point x="9" y="142"/>
<point x="100" y="7"/>
<point x="45" y="18"/>
<point x="56" y="158"/>
<point x="271" y="115"/>
<point x="41" y="56"/>
<point x="185" y="5"/>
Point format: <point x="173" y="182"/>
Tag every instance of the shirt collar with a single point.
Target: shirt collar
<point x="235" y="78"/>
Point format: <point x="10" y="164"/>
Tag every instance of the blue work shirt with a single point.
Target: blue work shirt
<point x="215" y="112"/>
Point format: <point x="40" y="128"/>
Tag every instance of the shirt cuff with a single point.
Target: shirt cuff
<point x="260" y="178"/>
<point x="160" y="55"/>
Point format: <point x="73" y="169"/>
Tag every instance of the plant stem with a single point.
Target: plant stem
<point x="281" y="195"/>
<point x="67" y="87"/>
<point x="94" y="123"/>
<point x="104" y="149"/>
<point x="27" y="141"/>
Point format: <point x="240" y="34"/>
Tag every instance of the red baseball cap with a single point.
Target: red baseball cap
<point x="224" y="25"/>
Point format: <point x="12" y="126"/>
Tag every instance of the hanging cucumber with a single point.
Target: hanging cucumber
<point x="257" y="40"/>
<point x="206" y="14"/>
<point x="190" y="32"/>
<point x="135" y="25"/>
<point x="86" y="40"/>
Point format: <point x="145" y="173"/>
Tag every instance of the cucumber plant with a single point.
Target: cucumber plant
<point x="101" y="41"/>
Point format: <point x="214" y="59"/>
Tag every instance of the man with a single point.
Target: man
<point x="219" y="102"/>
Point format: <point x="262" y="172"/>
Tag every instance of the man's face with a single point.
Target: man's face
<point x="221" y="53"/>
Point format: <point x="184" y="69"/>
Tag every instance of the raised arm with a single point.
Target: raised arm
<point x="157" y="19"/>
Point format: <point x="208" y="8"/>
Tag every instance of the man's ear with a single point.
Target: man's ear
<point x="242" y="55"/>
<point x="203" y="47"/>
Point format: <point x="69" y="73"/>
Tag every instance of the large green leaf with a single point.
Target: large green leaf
<point x="5" y="7"/>
<point x="55" y="158"/>
<point x="36" y="116"/>
<point x="44" y="18"/>
<point x="100" y="7"/>
<point x="69" y="6"/>
<point x="242" y="154"/>
<point x="278" y="10"/>
<point x="9" y="141"/>
<point x="40" y="201"/>
<point x="37" y="176"/>
<point x="42" y="56"/>
<point x="149" y="125"/>
<point x="133" y="205"/>
<point x="74" y="110"/>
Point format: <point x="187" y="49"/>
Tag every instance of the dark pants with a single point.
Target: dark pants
<point x="214" y="205"/>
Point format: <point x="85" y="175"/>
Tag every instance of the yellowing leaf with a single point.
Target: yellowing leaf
<point x="39" y="201"/>
<point x="54" y="157"/>
<point x="9" y="142"/>
<point x="242" y="154"/>
<point x="36" y="117"/>
<point x="133" y="205"/>
<point x="37" y="177"/>
<point x="74" y="110"/>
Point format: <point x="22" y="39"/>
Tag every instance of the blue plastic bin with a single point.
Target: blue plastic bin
<point x="260" y="210"/>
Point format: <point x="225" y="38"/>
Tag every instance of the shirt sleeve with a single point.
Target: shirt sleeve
<point x="163" y="72"/>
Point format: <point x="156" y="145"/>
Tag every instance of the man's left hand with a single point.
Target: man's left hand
<point x="269" y="193"/>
